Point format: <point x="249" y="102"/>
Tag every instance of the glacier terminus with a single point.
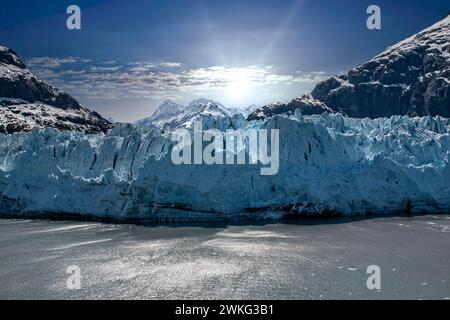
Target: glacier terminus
<point x="329" y="164"/>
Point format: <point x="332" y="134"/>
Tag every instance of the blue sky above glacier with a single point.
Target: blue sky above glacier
<point x="130" y="55"/>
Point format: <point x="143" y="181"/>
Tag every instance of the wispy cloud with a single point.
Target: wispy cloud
<point x="170" y="64"/>
<point x="110" y="80"/>
<point x="101" y="68"/>
<point x="48" y="62"/>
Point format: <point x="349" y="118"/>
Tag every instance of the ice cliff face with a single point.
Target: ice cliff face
<point x="27" y="102"/>
<point x="328" y="164"/>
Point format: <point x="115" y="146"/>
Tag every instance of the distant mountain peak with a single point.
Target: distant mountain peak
<point x="209" y="107"/>
<point x="168" y="107"/>
<point x="174" y="115"/>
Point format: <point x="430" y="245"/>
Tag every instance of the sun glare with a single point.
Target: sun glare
<point x="239" y="86"/>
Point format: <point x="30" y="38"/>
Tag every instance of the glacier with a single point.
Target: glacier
<point x="330" y="165"/>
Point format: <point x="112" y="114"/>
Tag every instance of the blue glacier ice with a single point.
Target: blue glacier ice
<point x="329" y="164"/>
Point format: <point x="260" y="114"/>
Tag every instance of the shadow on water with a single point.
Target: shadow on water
<point x="289" y="220"/>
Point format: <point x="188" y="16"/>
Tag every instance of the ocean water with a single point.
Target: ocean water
<point x="295" y="260"/>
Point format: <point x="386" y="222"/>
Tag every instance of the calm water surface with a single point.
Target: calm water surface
<point x="271" y="261"/>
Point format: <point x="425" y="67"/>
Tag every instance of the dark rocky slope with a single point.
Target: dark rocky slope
<point x="27" y="102"/>
<point x="306" y="105"/>
<point x="412" y="77"/>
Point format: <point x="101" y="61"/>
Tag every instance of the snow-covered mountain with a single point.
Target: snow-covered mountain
<point x="165" y="113"/>
<point x="168" y="108"/>
<point x="27" y="102"/>
<point x="244" y="111"/>
<point x="306" y="105"/>
<point x="411" y="77"/>
<point x="329" y="164"/>
<point x="205" y="107"/>
<point x="171" y="115"/>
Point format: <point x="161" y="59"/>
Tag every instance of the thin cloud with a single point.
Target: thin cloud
<point x="170" y="64"/>
<point x="109" y="80"/>
<point x="101" y="69"/>
<point x="48" y="62"/>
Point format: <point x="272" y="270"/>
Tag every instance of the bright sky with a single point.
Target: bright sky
<point x="131" y="55"/>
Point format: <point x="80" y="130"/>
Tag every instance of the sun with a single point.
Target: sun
<point x="239" y="87"/>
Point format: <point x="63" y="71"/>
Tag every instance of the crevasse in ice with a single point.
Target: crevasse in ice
<point x="328" y="164"/>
